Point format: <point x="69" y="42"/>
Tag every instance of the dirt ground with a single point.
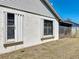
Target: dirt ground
<point x="67" y="48"/>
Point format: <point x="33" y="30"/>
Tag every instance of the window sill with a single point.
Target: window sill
<point x="47" y="37"/>
<point x="12" y="44"/>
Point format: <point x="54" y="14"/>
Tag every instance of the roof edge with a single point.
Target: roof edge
<point x="47" y="3"/>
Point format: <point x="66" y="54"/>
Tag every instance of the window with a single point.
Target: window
<point x="48" y="27"/>
<point x="10" y="19"/>
<point x="10" y="26"/>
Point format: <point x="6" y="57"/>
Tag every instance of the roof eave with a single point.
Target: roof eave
<point x="46" y="2"/>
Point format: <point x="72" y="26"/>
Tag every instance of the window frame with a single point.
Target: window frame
<point x="48" y="27"/>
<point x="21" y="16"/>
<point x="10" y="26"/>
<point x="48" y="36"/>
<point x="6" y="28"/>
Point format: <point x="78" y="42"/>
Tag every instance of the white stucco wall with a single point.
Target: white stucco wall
<point x="32" y="30"/>
<point x="35" y="6"/>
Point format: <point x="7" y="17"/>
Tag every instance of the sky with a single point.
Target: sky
<point x="67" y="9"/>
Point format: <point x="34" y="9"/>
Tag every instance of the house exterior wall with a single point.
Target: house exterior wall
<point x="35" y="6"/>
<point x="32" y="30"/>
